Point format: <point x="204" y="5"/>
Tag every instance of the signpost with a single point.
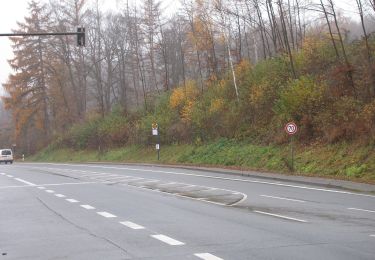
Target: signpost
<point x="155" y="132"/>
<point x="291" y="129"/>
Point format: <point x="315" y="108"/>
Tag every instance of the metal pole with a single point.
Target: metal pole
<point x="41" y="34"/>
<point x="291" y="146"/>
<point x="159" y="144"/>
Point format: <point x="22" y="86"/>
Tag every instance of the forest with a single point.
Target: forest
<point x="209" y="70"/>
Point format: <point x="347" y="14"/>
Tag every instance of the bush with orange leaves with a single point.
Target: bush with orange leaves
<point x="183" y="99"/>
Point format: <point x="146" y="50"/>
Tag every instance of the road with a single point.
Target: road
<point x="92" y="211"/>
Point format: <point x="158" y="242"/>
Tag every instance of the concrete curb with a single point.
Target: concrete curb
<point x="305" y="180"/>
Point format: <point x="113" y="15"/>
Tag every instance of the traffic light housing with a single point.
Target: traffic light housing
<point x="81" y="37"/>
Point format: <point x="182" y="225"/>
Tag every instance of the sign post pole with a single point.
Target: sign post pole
<point x="155" y="131"/>
<point x="291" y="128"/>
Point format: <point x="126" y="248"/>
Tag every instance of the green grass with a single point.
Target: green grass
<point x="341" y="161"/>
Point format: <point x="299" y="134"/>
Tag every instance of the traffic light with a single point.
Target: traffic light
<point x="81" y="41"/>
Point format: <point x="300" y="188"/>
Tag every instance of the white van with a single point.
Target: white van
<point x="6" y="155"/>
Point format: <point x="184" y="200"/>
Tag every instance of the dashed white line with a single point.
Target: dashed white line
<point x="280" y="216"/>
<point x="132" y="225"/>
<point x="207" y="256"/>
<point x="10" y="176"/>
<point x="50" y="191"/>
<point x="372" y="235"/>
<point x="72" y="200"/>
<point x="41" y="188"/>
<point x="87" y="207"/>
<point x="365" y="210"/>
<point x="60" y="195"/>
<point x="26" y="182"/>
<point x="282" y="198"/>
<point x="168" y="240"/>
<point x="106" y="214"/>
<point x="1" y="173"/>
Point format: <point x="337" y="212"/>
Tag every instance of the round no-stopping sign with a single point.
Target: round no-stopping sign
<point x="291" y="128"/>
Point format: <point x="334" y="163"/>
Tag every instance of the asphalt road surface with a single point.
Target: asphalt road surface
<point x="85" y="211"/>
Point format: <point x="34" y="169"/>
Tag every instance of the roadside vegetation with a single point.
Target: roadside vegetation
<point x="336" y="124"/>
<point x="220" y="78"/>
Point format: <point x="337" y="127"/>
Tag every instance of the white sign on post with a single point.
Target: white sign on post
<point x="291" y="128"/>
<point x="154" y="129"/>
<point x="157" y="146"/>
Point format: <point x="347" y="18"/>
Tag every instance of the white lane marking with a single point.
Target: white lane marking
<point x="207" y="256"/>
<point x="41" y="188"/>
<point x="69" y="183"/>
<point x="280" y="216"/>
<point x="60" y="195"/>
<point x="150" y="181"/>
<point x="26" y="182"/>
<point x="10" y="176"/>
<point x="135" y="179"/>
<point x="244" y="196"/>
<point x="1" y="173"/>
<point x="281" y="198"/>
<point x="168" y="183"/>
<point x="51" y="184"/>
<point x="131" y="225"/>
<point x="216" y="177"/>
<point x="106" y="214"/>
<point x="372" y="235"/>
<point x="87" y="207"/>
<point x="168" y="240"/>
<point x="365" y="210"/>
<point x="72" y="200"/>
<point x="104" y="177"/>
<point x="94" y="174"/>
<point x="114" y="178"/>
<point x="50" y="191"/>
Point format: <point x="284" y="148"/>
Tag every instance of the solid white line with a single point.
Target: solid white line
<point x="207" y="256"/>
<point x="104" y="177"/>
<point x="93" y="175"/>
<point x="281" y="198"/>
<point x="280" y="216"/>
<point x="106" y="214"/>
<point x="220" y="178"/>
<point x="365" y="210"/>
<point x="72" y="200"/>
<point x="10" y="176"/>
<point x="168" y="240"/>
<point x="87" y="207"/>
<point x="131" y="225"/>
<point x="60" y="195"/>
<point x="26" y="182"/>
<point x="168" y="183"/>
<point x="150" y="181"/>
<point x="50" y="191"/>
<point x="41" y="188"/>
<point x="372" y="235"/>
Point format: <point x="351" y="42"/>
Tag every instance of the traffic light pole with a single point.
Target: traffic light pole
<point x="80" y="35"/>
<point x="41" y="34"/>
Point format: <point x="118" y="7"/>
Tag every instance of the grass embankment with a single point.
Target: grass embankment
<point x="340" y="161"/>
